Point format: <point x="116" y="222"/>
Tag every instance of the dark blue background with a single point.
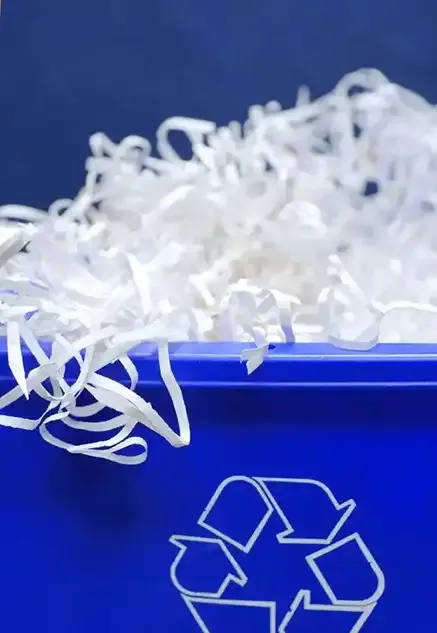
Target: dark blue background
<point x="71" y="67"/>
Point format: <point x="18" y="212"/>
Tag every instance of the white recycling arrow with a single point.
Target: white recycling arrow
<point x="264" y="487"/>
<point x="343" y="510"/>
<point x="303" y="601"/>
<point x="194" y="605"/>
<point x="253" y="531"/>
<point x="182" y="543"/>
<point x="367" y="554"/>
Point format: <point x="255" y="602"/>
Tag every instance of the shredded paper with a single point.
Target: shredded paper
<point x="315" y="223"/>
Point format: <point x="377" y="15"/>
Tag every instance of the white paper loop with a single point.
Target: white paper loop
<point x="313" y="223"/>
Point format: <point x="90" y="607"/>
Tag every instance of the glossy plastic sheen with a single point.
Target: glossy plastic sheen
<point x="86" y="544"/>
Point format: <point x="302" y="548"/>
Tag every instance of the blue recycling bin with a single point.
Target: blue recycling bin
<point x="306" y="502"/>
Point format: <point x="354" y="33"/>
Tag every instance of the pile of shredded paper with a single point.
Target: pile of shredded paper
<point x="315" y="223"/>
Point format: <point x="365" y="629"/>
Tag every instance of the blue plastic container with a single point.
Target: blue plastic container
<point x="307" y="503"/>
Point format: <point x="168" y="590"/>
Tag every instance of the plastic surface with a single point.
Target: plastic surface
<point x="85" y="544"/>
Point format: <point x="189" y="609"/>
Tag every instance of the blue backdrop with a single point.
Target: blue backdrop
<point x="71" y="67"/>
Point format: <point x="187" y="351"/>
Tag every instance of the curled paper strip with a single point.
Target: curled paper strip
<point x="313" y="223"/>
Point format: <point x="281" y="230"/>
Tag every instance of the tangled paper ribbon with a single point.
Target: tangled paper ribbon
<point x="315" y="223"/>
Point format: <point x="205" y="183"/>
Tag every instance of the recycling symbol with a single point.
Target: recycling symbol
<point x="255" y="541"/>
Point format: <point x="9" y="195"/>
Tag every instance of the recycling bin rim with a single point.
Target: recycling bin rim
<point x="286" y="365"/>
